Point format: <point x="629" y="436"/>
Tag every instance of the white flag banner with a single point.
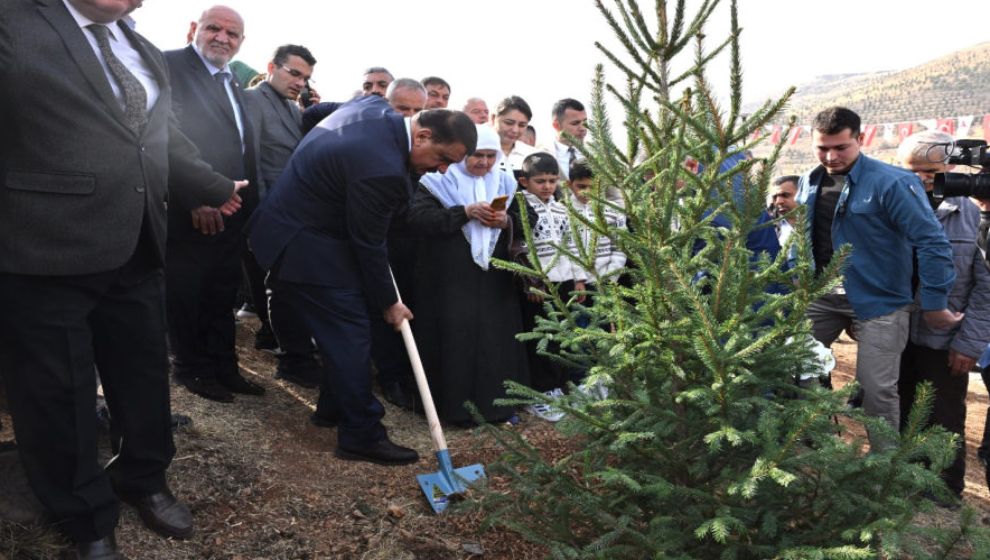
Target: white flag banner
<point x="963" y="125"/>
<point x="929" y="124"/>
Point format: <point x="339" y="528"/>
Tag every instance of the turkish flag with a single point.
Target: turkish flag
<point x="757" y="133"/>
<point x="946" y="125"/>
<point x="795" y="134"/>
<point x="904" y="130"/>
<point x="775" y="137"/>
<point x="869" y="133"/>
<point x="986" y="127"/>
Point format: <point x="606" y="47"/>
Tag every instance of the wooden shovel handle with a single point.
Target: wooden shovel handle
<point x="420" y="374"/>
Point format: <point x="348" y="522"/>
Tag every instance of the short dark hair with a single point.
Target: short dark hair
<point x="283" y="53"/>
<point x="836" y="119"/>
<point x="563" y="105"/>
<point x="435" y="81"/>
<point x="539" y="163"/>
<point x="786" y="179"/>
<point x="450" y="127"/>
<point x="513" y="102"/>
<point x="580" y="170"/>
<point x="378" y="70"/>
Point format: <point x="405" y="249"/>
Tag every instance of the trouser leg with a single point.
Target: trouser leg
<point x="880" y="343"/>
<point x="46" y="354"/>
<point x="338" y="319"/>
<point x="920" y="364"/>
<point x="129" y="343"/>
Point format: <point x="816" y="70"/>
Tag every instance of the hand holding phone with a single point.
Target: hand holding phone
<point x="498" y="203"/>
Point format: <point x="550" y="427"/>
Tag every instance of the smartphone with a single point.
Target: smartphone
<point x="498" y="203"/>
<point x="305" y="96"/>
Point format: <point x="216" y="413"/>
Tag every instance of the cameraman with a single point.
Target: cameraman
<point x="944" y="357"/>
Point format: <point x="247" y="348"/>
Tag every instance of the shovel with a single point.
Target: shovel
<point x="448" y="482"/>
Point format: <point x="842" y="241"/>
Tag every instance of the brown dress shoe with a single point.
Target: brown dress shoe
<point x="164" y="514"/>
<point x="103" y="549"/>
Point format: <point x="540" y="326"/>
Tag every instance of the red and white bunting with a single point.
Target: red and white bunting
<point x="795" y="134"/>
<point x="869" y="133"/>
<point x="889" y="132"/>
<point x="963" y="126"/>
<point x="775" y="135"/>
<point x="904" y="130"/>
<point x="946" y="125"/>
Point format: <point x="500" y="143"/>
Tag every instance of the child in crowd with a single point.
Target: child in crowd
<point x="609" y="259"/>
<point x="551" y="228"/>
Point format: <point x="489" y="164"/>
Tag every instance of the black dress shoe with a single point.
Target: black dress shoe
<point x="235" y="383"/>
<point x="164" y="514"/>
<point x="381" y="452"/>
<point x="180" y="421"/>
<point x="103" y="549"/>
<point x="206" y="387"/>
<point x="321" y="421"/>
<point x="302" y="376"/>
<point x="265" y="340"/>
<point x="396" y="394"/>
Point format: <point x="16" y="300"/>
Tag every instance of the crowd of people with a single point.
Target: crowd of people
<point x="144" y="190"/>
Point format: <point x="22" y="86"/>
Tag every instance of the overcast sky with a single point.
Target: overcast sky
<point x="544" y="50"/>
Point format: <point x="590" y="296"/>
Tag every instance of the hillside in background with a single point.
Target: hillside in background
<point x="952" y="86"/>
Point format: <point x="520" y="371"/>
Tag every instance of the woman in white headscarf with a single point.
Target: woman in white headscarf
<point x="467" y="311"/>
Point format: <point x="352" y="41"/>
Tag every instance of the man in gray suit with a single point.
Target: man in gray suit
<point x="275" y="119"/>
<point x="83" y="175"/>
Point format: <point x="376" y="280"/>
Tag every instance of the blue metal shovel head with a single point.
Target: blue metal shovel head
<point x="448" y="482"/>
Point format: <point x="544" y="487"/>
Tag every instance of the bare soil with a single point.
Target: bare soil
<point x="264" y="484"/>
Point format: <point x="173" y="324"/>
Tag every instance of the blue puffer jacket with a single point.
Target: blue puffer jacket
<point x="883" y="213"/>
<point x="970" y="293"/>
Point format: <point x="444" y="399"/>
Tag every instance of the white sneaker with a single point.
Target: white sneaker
<point x="246" y="312"/>
<point x="545" y="411"/>
<point x="596" y="390"/>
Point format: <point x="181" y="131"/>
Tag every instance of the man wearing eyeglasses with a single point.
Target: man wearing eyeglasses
<point x="882" y="213"/>
<point x="275" y="119"/>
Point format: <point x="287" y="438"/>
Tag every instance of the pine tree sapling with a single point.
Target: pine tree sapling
<point x="705" y="447"/>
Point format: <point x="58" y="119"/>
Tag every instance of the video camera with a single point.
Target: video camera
<point x="965" y="152"/>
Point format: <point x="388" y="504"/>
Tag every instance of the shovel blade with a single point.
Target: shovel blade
<point x="441" y="486"/>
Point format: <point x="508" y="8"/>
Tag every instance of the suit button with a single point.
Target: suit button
<point x="142" y="147"/>
<point x="139" y="188"/>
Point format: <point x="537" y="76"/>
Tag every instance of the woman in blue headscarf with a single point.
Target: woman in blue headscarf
<point x="467" y="312"/>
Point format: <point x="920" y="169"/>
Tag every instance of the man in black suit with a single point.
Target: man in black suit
<point x="276" y="119"/>
<point x="322" y="233"/>
<point x="84" y="169"/>
<point x="205" y="249"/>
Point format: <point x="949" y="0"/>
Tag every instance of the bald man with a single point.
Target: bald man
<point x="205" y="249"/>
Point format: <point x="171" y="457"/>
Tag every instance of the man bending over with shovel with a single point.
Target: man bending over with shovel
<point x="321" y="233"/>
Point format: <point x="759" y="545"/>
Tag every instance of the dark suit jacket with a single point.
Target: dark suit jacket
<point x="204" y="115"/>
<point x="327" y="217"/>
<point x="276" y="126"/>
<point x="76" y="182"/>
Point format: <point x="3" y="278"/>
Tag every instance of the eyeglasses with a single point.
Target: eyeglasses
<point x="296" y="73"/>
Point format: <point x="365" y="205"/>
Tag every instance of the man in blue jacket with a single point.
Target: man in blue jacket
<point x="321" y="232"/>
<point x="882" y="212"/>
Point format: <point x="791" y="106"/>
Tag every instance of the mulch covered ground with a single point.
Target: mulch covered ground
<point x="263" y="484"/>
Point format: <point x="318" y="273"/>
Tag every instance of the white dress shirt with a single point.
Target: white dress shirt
<point x="123" y="50"/>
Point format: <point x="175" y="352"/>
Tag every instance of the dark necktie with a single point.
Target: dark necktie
<point x="571" y="156"/>
<point x="135" y="97"/>
<point x="221" y="78"/>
